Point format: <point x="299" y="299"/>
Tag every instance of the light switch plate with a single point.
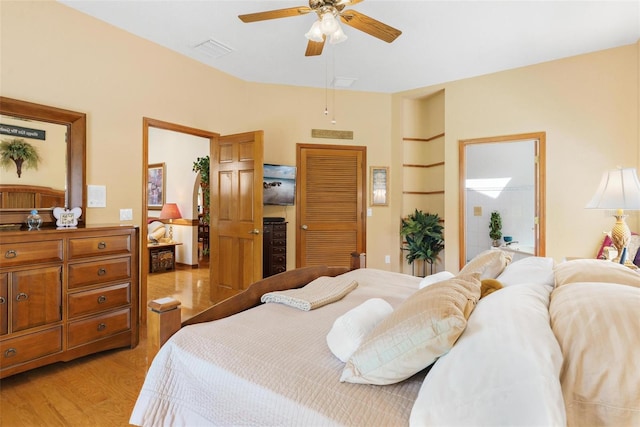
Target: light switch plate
<point x="126" y="214"/>
<point x="96" y="196"/>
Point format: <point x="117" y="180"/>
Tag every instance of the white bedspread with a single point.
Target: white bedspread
<point x="233" y="371"/>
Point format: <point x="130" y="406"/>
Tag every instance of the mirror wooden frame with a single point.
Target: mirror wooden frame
<point x="540" y="188"/>
<point x="76" y="124"/>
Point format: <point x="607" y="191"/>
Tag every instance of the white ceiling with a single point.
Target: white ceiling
<point x="441" y="40"/>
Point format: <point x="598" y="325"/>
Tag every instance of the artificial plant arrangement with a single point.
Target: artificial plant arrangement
<point x="201" y="166"/>
<point x="424" y="238"/>
<point x="20" y="152"/>
<point x="495" y="228"/>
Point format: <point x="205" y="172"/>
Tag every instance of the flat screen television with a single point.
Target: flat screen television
<point x="279" y="185"/>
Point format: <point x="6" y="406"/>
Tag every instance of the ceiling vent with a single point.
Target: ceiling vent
<point x="213" y="48"/>
<point x="343" y="82"/>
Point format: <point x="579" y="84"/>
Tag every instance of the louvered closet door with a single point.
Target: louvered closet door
<point x="330" y="204"/>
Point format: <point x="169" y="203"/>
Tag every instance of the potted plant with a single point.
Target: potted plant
<point x="20" y="152"/>
<point x="424" y="238"/>
<point x="495" y="228"/>
<point x="201" y="166"/>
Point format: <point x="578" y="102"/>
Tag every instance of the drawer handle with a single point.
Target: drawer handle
<point x="10" y="352"/>
<point x="102" y="299"/>
<point x="22" y="297"/>
<point x="102" y="245"/>
<point x="102" y="327"/>
<point x="102" y="271"/>
<point x="11" y="253"/>
<point x="2" y="300"/>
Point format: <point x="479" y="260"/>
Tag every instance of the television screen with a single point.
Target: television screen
<point x="279" y="185"/>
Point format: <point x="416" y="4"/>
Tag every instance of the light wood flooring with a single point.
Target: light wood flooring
<point x="100" y="389"/>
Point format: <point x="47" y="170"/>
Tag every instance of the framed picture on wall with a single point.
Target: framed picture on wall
<point x="379" y="176"/>
<point x="155" y="186"/>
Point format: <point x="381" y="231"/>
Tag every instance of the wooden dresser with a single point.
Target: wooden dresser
<point x="66" y="293"/>
<point x="274" y="248"/>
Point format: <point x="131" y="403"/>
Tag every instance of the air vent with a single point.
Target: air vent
<point x="343" y="82"/>
<point x="213" y="48"/>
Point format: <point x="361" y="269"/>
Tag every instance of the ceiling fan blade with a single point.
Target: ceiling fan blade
<point x="314" y="48"/>
<point x="341" y="4"/>
<point x="274" y="14"/>
<point x="370" y="26"/>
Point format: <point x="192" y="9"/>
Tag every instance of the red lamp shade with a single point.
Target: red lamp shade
<point x="170" y="211"/>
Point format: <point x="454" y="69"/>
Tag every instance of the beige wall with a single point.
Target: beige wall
<point x="53" y="55"/>
<point x="587" y="105"/>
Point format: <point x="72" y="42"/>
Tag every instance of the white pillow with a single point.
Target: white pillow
<point x="435" y="278"/>
<point x="503" y="371"/>
<point x="595" y="270"/>
<point x="349" y="330"/>
<point x="528" y="270"/>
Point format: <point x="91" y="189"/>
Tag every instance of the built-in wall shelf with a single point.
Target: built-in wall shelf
<point x="423" y="165"/>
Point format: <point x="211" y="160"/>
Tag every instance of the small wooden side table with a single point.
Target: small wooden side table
<point x="162" y="257"/>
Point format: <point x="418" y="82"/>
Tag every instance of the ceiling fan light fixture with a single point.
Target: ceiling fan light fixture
<point x="328" y="23"/>
<point x="338" y="36"/>
<point x="314" y="33"/>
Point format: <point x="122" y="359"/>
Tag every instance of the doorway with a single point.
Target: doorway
<point x="173" y="142"/>
<point x="503" y="175"/>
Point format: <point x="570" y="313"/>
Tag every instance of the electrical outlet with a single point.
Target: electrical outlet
<point x="126" y="214"/>
<point x="387" y="259"/>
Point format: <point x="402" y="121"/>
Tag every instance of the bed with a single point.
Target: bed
<point x="556" y="345"/>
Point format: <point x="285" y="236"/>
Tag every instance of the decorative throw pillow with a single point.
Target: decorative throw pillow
<point x="424" y="327"/>
<point x="489" y="263"/>
<point x="489" y="286"/>
<point x="349" y="330"/>
<point x="595" y="270"/>
<point x="531" y="269"/>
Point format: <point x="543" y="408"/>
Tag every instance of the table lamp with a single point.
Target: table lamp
<point x="619" y="189"/>
<point x="170" y="211"/>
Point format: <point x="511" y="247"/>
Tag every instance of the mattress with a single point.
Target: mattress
<point x="233" y="371"/>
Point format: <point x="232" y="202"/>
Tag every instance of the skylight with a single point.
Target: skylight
<point x="491" y="187"/>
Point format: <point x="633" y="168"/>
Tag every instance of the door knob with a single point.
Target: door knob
<point x="254" y="231"/>
<point x="304" y="226"/>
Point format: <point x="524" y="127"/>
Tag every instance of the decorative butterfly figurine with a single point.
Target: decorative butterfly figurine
<point x="67" y="217"/>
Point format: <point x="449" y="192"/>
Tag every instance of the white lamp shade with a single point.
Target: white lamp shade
<point x="315" y="34"/>
<point x="618" y="189"/>
<point x="328" y="23"/>
<point x="338" y="36"/>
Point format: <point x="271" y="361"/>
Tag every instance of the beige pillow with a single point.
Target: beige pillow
<point x="424" y="327"/>
<point x="595" y="270"/>
<point x="489" y="264"/>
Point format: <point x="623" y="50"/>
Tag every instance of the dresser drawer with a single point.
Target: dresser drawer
<point x="28" y="347"/>
<point x="98" y="327"/>
<point x="279" y="242"/>
<point x="89" y="273"/>
<point x="30" y="252"/>
<point x="101" y="245"/>
<point x="278" y="259"/>
<point x="97" y="300"/>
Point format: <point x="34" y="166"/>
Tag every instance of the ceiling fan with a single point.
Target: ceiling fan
<point x="327" y="25"/>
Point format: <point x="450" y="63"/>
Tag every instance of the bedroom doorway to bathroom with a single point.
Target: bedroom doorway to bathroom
<point x="330" y="204"/>
<point x="503" y="175"/>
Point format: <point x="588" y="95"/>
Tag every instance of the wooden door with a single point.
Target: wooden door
<point x="330" y="204"/>
<point x="236" y="213"/>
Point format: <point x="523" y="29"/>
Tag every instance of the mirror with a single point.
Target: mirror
<point x="505" y="175"/>
<point x="72" y="160"/>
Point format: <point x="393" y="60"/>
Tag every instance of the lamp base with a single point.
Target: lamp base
<point x="620" y="236"/>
